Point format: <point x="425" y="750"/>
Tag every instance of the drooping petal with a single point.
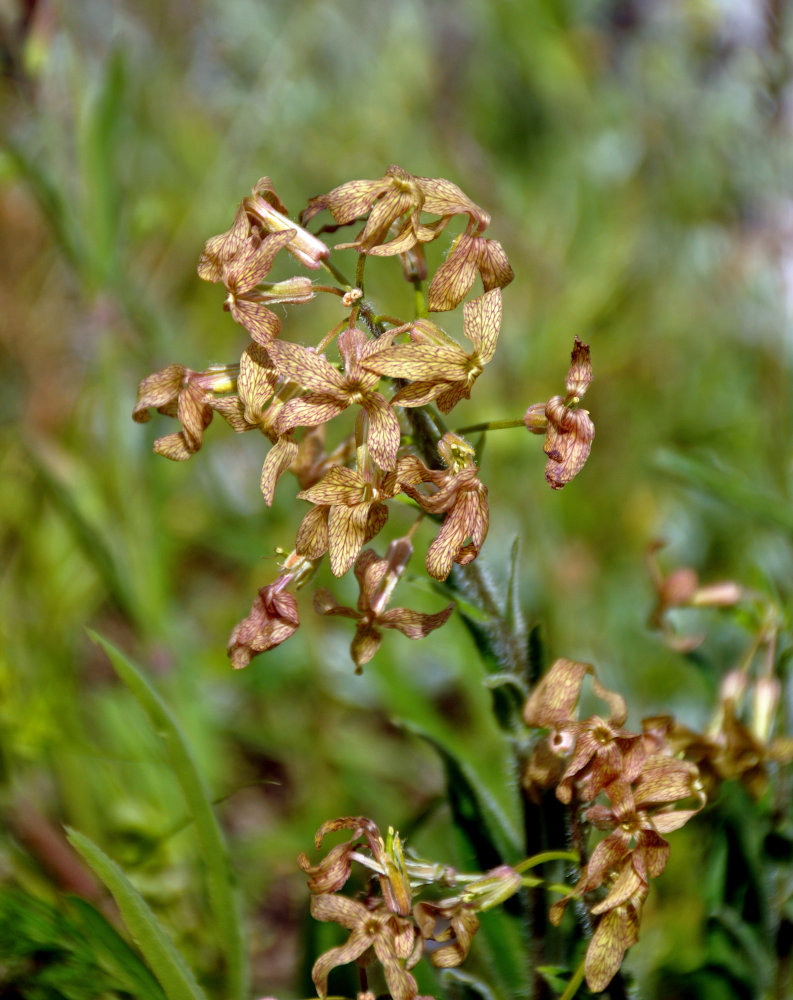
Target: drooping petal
<point x="420" y="362"/>
<point x="340" y="485"/>
<point x="611" y="940"/>
<point x="365" y="644"/>
<point x="347" y="202"/>
<point x="418" y="393"/>
<point x="278" y="460"/>
<point x="452" y="393"/>
<point x="158" y="390"/>
<point x="442" y="197"/>
<point x="568" y="442"/>
<point x="414" y="624"/>
<point x="257" y="381"/>
<point x="260" y="322"/>
<point x="308" y="411"/>
<point x="174" y="446"/>
<point x="384" y="435"/>
<point x="455" y="278"/>
<point x="448" y="542"/>
<point x="252" y="263"/>
<point x="346" y="536"/>
<point x="326" y="604"/>
<point x="579" y="374"/>
<point x="312" y="535"/>
<point x="482" y="323"/>
<point x="553" y="700"/>
<point x="220" y="249"/>
<point x="494" y="265"/>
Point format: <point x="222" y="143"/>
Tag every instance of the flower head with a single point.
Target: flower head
<point x="272" y="620"/>
<point x="455" y="278"/>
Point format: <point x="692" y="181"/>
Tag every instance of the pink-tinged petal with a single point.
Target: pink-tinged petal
<point x="346" y="536"/>
<point x="222" y="248"/>
<point x="253" y="263"/>
<point x="494" y="266"/>
<point x="278" y="460"/>
<point x="257" y="381"/>
<point x="312" y="535"/>
<point x="607" y="949"/>
<point x="482" y="323"/>
<point x="311" y="370"/>
<point x="618" y="707"/>
<point x="664" y="779"/>
<point x="654" y="851"/>
<point x="369" y="571"/>
<point x="451" y="396"/>
<point x="347" y="202"/>
<point x="567" y="443"/>
<point x="414" y="624"/>
<point x="448" y="542"/>
<point x="265" y="189"/>
<point x="308" y="411"/>
<point x="384" y="435"/>
<point x="159" y="390"/>
<point x="667" y="822"/>
<point x="420" y="362"/>
<point x="194" y="415"/>
<point x="418" y="393"/>
<point x="441" y="197"/>
<point x="606" y="856"/>
<point x="175" y="447"/>
<point x="376" y="521"/>
<point x="455" y="278"/>
<point x="273" y="618"/>
<point x="405" y="240"/>
<point x="326" y="604"/>
<point x="365" y="644"/>
<point x="554" y="699"/>
<point x="262" y="324"/>
<point x="340" y="485"/>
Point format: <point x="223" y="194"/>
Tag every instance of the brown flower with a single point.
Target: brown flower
<point x="331" y="392"/>
<point x="391" y="938"/>
<point x="377" y="579"/>
<point x="437" y="367"/>
<point x="569" y="432"/>
<point x="452" y="925"/>
<point x="455" y="278"/>
<point x="617" y="930"/>
<point x="395" y="200"/>
<point x="272" y="620"/>
<point x="179" y="392"/>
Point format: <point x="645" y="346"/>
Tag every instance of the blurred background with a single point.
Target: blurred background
<point x="636" y="160"/>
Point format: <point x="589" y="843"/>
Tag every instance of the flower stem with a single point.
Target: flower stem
<point x="575" y="982"/>
<point x="491" y="425"/>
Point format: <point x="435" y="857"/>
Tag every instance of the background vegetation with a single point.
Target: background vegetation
<point x="635" y="158"/>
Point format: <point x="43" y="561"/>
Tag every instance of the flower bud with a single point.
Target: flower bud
<point x="309" y="250"/>
<point x="765" y="699"/>
<point x="534" y="418"/>
<point x="494" y="888"/>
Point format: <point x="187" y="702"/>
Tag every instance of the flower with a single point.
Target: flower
<point x="331" y="392"/>
<point x="461" y="496"/>
<point x="438" y="367"/>
<point x="390" y="937"/>
<point x="455" y="277"/>
<point x="569" y="432"/>
<point x="179" y="392"/>
<point x="377" y="579"/>
<point x="272" y="620"/>
<point x="397" y="200"/>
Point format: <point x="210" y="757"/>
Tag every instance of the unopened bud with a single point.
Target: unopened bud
<point x="309" y="250"/>
<point x="297" y="289"/>
<point x="493" y="889"/>
<point x="733" y="686"/>
<point x="765" y="699"/>
<point x="414" y="263"/>
<point x="678" y="588"/>
<point x="534" y="418"/>
<point x="717" y="595"/>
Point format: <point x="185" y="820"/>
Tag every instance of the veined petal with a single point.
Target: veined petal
<point x="420" y="362"/>
<point x="346" y="536"/>
<point x="414" y="624"/>
<point x="278" y="460"/>
<point x="494" y="265"/>
<point x="356" y="945"/>
<point x="404" y="240"/>
<point x="441" y="197"/>
<point x="252" y="264"/>
<point x="308" y="411"/>
<point x="340" y="485"/>
<point x="312" y="535"/>
<point x="307" y="368"/>
<point x="326" y="604"/>
<point x="482" y="323"/>
<point x="222" y="248"/>
<point x="554" y="699"/>
<point x="455" y="529"/>
<point x="365" y="643"/>
<point x="384" y="432"/>
<point x="389" y="208"/>
<point x="455" y="277"/>
<point x="607" y="949"/>
<point x="257" y="380"/>
<point x="418" y="393"/>
<point x="260" y="322"/>
<point x="174" y="446"/>
<point x="452" y="393"/>
<point x="158" y="390"/>
<point x="347" y="202"/>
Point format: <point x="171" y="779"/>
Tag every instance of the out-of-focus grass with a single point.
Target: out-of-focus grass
<point x="632" y="160"/>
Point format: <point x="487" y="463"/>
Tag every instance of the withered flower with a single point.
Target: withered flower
<point x="269" y="213"/>
<point x="460" y="495"/>
<point x="452" y="925"/>
<point x="179" y="392"/>
<point x="437" y="367"/>
<point x="331" y="392"/>
<point x="455" y="278"/>
<point x="377" y="579"/>
<point x="390" y="937"/>
<point x="395" y="200"/>
<point x="569" y="432"/>
<point x="272" y="620"/>
<point x="349" y="511"/>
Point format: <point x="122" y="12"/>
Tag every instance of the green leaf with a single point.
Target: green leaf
<point x="220" y="878"/>
<point x="176" y="979"/>
<point x="114" y="952"/>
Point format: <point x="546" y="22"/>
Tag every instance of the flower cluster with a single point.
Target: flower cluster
<point x="621" y="782"/>
<point x="371" y="369"/>
<point x="388" y="925"/>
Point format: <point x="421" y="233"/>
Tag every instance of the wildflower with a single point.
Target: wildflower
<point x="267" y="210"/>
<point x="452" y="925"/>
<point x="248" y="297"/>
<point x="439" y="368"/>
<point x="461" y="496"/>
<point x="455" y="277"/>
<point x="272" y="620"/>
<point x="377" y="579"/>
<point x="395" y="200"/>
<point x="390" y="937"/>
<point x="617" y="930"/>
<point x="331" y="392"/>
<point x="350" y="510"/>
<point x="569" y="432"/>
<point x="179" y="392"/>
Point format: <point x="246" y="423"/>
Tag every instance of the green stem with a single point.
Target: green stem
<point x="331" y="268"/>
<point x="575" y="982"/>
<point x="491" y="425"/>
<point x="541" y="859"/>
